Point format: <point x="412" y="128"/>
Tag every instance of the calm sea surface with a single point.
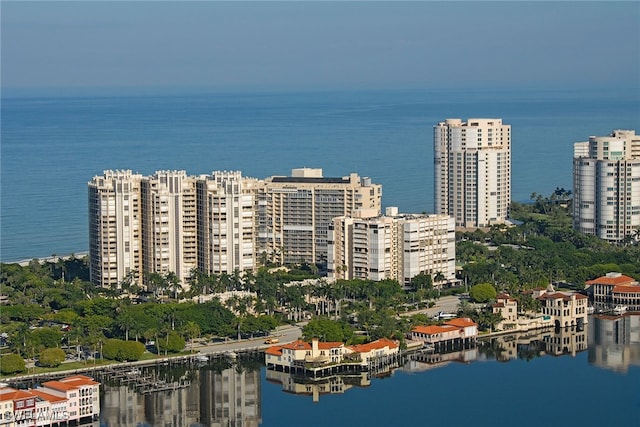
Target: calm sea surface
<point x="51" y="147"/>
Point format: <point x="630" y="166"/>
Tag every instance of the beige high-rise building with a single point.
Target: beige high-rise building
<point x="296" y="211"/>
<point x="472" y="171"/>
<point x="227" y="222"/>
<point x="394" y="246"/>
<point x="115" y="227"/>
<point x="606" y="186"/>
<point x="169" y="224"/>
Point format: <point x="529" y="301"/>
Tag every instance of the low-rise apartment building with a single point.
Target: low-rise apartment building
<point x="68" y="400"/>
<point x="394" y="246"/>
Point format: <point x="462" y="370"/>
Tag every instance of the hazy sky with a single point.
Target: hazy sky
<point x="280" y="45"/>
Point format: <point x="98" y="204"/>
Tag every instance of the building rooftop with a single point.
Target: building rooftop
<point x="309" y="180"/>
<point x="461" y="322"/>
<point x="432" y="330"/>
<point x="626" y="289"/>
<point x="8" y="393"/>
<point x="374" y="345"/>
<point x="610" y="279"/>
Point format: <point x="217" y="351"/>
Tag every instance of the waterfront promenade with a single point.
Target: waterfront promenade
<point x="285" y="334"/>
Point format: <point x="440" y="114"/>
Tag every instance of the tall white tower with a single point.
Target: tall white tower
<point x="227" y="222"/>
<point x="114" y="227"/>
<point x="606" y="185"/>
<point x="169" y="224"/>
<point x="472" y="171"/>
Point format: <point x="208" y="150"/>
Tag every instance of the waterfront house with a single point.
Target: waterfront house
<point x="626" y="296"/>
<point x="325" y="358"/>
<point x="455" y="333"/>
<point x="507" y="307"/>
<point x="565" y="309"/>
<point x="375" y="350"/>
<point x="299" y="353"/>
<point x="613" y="289"/>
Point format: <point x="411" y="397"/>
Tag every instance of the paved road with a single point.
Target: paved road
<point x="448" y="304"/>
<point x="284" y="334"/>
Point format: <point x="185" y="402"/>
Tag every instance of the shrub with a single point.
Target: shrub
<point x="51" y="357"/>
<point x="11" y="363"/>
<point x="122" y="351"/>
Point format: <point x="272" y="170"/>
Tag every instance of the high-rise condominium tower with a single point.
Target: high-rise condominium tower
<point x="606" y="186"/>
<point x="472" y="171"/>
<point x="392" y="247"/>
<point x="115" y="227"/>
<point x="169" y="224"/>
<point x="296" y="211"/>
<point x="172" y="223"/>
<point x="227" y="222"/>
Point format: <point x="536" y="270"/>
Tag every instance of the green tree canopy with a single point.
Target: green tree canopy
<point x="51" y="357"/>
<point x="11" y="364"/>
<point x="323" y="329"/>
<point x="483" y="292"/>
<point x="123" y="351"/>
<point x="171" y="343"/>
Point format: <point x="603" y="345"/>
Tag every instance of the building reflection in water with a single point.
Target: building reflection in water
<point x="216" y="394"/>
<point x="522" y="345"/>
<point x="336" y="384"/>
<point x="614" y="341"/>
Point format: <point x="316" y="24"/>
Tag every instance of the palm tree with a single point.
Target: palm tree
<point x="191" y="330"/>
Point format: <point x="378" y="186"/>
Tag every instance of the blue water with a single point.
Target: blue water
<point x="547" y="391"/>
<point x="51" y="147"/>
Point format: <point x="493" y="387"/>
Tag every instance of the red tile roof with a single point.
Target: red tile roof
<point x="374" y="345"/>
<point x="626" y="289"/>
<point x="604" y="280"/>
<point x="499" y="305"/>
<point x="303" y="345"/>
<point x="276" y="350"/>
<point x="505" y="296"/>
<point x="59" y="385"/>
<point x="432" y="330"/>
<point x="8" y="393"/>
<point x="49" y="397"/>
<point x="79" y="380"/>
<point x="461" y="322"/>
<point x="559" y="295"/>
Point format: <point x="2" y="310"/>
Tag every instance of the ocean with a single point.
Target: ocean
<point x="52" y="146"/>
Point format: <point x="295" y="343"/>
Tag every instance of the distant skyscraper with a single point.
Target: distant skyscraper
<point x="606" y="185"/>
<point x="394" y="246"/>
<point x="472" y="171"/>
